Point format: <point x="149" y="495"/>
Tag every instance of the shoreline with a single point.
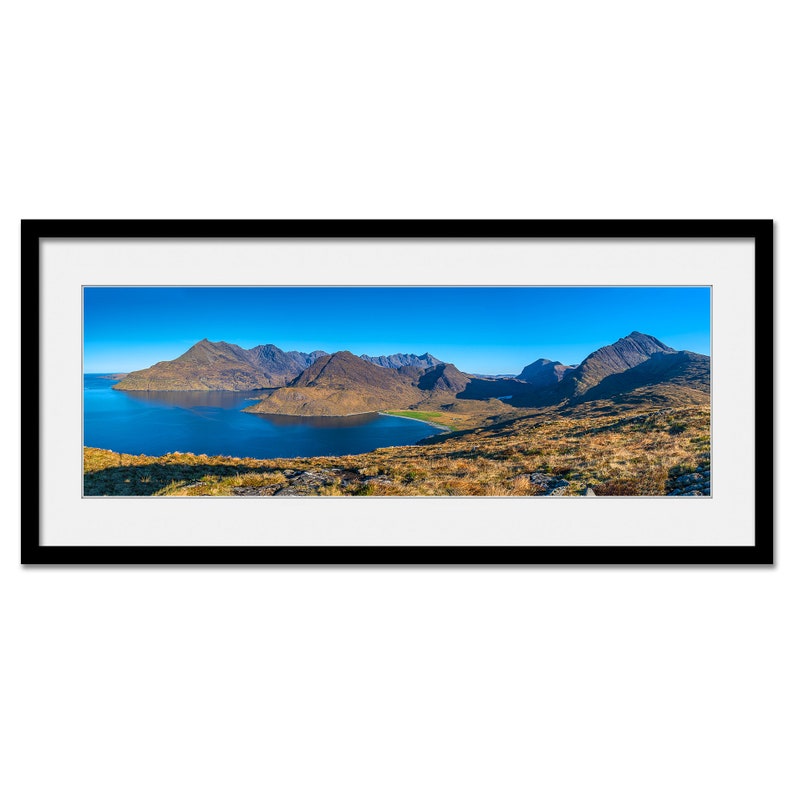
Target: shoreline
<point x="355" y="413"/>
<point x="445" y="428"/>
<point x="312" y="416"/>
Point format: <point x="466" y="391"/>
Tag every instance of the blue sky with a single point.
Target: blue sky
<point x="488" y="330"/>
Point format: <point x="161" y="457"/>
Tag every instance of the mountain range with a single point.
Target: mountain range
<point x="637" y="367"/>
<point x="220" y="366"/>
<point x="397" y="360"/>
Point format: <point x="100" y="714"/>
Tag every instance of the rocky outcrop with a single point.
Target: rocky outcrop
<point x="545" y="484"/>
<point x="313" y="482"/>
<point x="695" y="483"/>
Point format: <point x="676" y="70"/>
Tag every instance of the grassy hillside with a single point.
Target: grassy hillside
<point x="635" y="452"/>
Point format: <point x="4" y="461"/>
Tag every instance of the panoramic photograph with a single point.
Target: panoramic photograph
<point x="396" y="391"/>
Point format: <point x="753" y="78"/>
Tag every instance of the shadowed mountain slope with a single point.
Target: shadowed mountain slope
<point x="280" y="365"/>
<point x="660" y="375"/>
<point x="444" y="377"/>
<point x="489" y="388"/>
<point x="624" y="354"/>
<point x="543" y="372"/>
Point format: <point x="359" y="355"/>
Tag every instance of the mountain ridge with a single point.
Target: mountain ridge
<point x="635" y="368"/>
<point x="221" y="366"/>
<point x="224" y="366"/>
<point x="625" y="353"/>
<point x="398" y="360"/>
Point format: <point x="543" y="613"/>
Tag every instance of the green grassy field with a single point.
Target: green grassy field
<point x="434" y="417"/>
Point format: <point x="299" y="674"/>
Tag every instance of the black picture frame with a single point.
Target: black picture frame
<point x="34" y="231"/>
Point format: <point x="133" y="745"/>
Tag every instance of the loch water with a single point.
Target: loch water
<point x="213" y="423"/>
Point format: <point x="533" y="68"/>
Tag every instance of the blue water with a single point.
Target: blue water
<point x="212" y="423"/>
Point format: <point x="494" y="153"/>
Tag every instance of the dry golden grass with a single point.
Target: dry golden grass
<point x="632" y="453"/>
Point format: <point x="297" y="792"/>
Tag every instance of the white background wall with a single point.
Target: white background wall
<point x="395" y="680"/>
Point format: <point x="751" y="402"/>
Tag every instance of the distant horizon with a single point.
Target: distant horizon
<point x="481" y="330"/>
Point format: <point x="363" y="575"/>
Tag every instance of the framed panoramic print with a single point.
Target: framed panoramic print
<point x="412" y="392"/>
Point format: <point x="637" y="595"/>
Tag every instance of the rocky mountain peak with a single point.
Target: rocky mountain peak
<point x="397" y="360"/>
